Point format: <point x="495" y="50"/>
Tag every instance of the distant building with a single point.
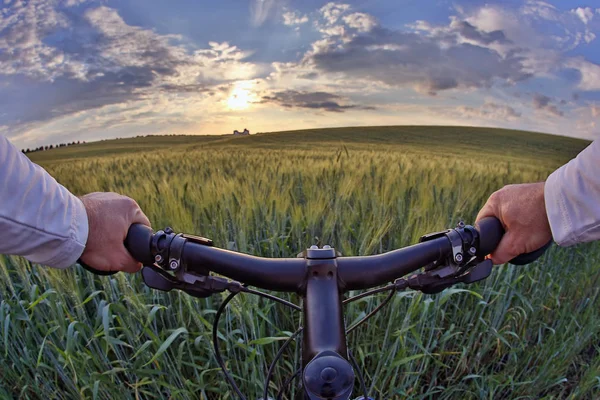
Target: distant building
<point x="244" y="132"/>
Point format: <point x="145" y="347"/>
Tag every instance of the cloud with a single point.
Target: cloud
<point x="119" y="46"/>
<point x="56" y="62"/>
<point x="540" y="10"/>
<point x="292" y="18"/>
<point x="468" y="32"/>
<point x="585" y="14"/>
<point x="399" y="58"/>
<point x="22" y="46"/>
<point x="544" y="35"/>
<point x="361" y="21"/>
<point x="487" y="47"/>
<point x="542" y="102"/>
<point x="428" y="58"/>
<point x="537" y="24"/>
<point x="332" y="11"/>
<point x="460" y="31"/>
<point x="311" y="100"/>
<point x="490" y="110"/>
<point x="588" y="71"/>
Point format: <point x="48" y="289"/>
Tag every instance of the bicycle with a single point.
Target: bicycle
<point x="321" y="277"/>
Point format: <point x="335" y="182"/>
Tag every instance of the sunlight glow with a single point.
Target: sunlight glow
<point x="241" y="96"/>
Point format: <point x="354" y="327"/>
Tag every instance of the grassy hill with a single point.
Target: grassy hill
<point x="451" y="140"/>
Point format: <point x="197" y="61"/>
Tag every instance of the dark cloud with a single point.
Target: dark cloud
<point x="540" y="101"/>
<point x="440" y="60"/>
<point x="543" y="102"/>
<point x="468" y="31"/>
<point x="313" y="100"/>
<point x="309" y="75"/>
<point x="24" y="101"/>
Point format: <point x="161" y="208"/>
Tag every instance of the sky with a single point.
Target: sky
<point x="95" y="69"/>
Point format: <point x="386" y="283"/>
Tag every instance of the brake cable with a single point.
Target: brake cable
<point x="215" y="335"/>
<point x="215" y="332"/>
<point x="391" y="286"/>
<point x="375" y="311"/>
<point x="361" y="379"/>
<point x="277" y="357"/>
<point x="287" y="383"/>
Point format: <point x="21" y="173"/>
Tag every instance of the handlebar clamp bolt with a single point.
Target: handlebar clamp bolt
<point x="173" y="265"/>
<point x="158" y="258"/>
<point x="472" y="251"/>
<point x="458" y="258"/>
<point x="461" y="224"/>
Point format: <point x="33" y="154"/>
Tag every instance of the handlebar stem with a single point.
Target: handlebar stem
<point x="327" y="372"/>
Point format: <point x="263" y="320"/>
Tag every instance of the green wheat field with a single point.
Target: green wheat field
<point x="529" y="332"/>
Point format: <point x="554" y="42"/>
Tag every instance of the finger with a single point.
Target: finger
<point x="132" y="269"/>
<point x="507" y="249"/>
<point x="137" y="215"/>
<point x="487" y="211"/>
<point x="126" y="262"/>
<point x="141" y="218"/>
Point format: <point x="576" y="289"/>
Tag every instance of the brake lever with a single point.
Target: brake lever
<point x="479" y="272"/>
<point x="431" y="282"/>
<point x="156" y="278"/>
<point x="195" y="285"/>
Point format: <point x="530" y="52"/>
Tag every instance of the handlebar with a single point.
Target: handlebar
<point x="284" y="274"/>
<point x="287" y="274"/>
<point x="198" y="256"/>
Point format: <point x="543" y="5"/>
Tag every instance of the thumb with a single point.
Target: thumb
<point x="507" y="249"/>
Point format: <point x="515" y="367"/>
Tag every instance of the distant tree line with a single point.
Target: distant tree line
<point x="56" y="146"/>
<point x="52" y="146"/>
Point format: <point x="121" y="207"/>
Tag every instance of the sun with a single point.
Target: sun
<point x="240" y="97"/>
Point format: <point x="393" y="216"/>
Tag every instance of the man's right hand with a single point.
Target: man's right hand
<point x="109" y="217"/>
<point x="522" y="211"/>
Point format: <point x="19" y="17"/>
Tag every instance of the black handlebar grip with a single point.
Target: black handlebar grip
<point x="490" y="233"/>
<point x="530" y="257"/>
<point x="138" y="243"/>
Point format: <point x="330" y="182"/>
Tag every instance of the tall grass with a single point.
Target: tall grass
<point x="525" y="332"/>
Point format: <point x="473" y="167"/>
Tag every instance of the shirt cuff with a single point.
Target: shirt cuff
<point x="78" y="235"/>
<point x="557" y="211"/>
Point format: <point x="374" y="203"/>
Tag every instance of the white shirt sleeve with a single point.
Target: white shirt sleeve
<point x="39" y="218"/>
<point x="572" y="197"/>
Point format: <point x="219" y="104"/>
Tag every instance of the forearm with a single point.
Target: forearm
<point x="39" y="218"/>
<point x="572" y="197"/>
